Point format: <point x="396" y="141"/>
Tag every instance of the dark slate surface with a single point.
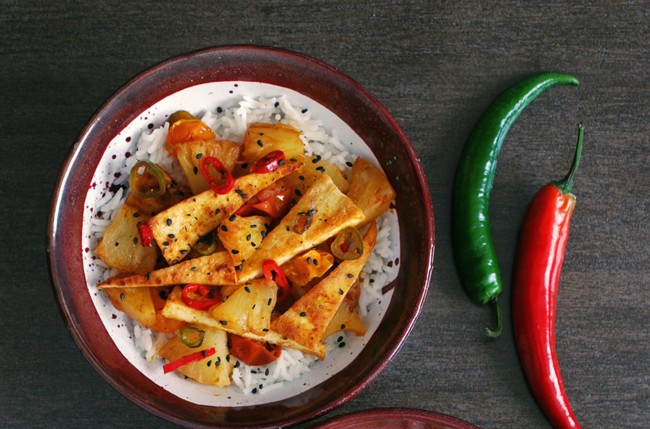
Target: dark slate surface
<point x="435" y="66"/>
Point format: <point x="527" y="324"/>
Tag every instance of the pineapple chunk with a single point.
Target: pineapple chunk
<point x="370" y="189"/>
<point x="120" y="247"/>
<point x="261" y="139"/>
<point x="347" y="316"/>
<point x="144" y="306"/>
<point x="328" y="212"/>
<point x="213" y="270"/>
<point x="215" y="369"/>
<point x="248" y="309"/>
<point x="307" y="319"/>
<point x="180" y="227"/>
<point x="241" y="236"/>
<point x="190" y="154"/>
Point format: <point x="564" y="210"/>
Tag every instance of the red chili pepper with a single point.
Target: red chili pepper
<point x="199" y="297"/>
<point x="269" y="162"/>
<point x="253" y="352"/>
<point x="272" y="271"/>
<point x="191" y="358"/>
<point x="540" y="254"/>
<point x="223" y="181"/>
<point x="146" y="234"/>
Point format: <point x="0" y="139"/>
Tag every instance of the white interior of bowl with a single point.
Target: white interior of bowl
<point x="198" y="100"/>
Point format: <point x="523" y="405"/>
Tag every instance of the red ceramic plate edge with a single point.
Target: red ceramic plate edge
<point x="62" y="278"/>
<point x="396" y="416"/>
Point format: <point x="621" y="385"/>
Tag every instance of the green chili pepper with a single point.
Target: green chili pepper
<point x="474" y="253"/>
<point x="190" y="336"/>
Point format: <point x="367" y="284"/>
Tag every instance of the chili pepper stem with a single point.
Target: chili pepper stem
<point x="497" y="310"/>
<point x="566" y="185"/>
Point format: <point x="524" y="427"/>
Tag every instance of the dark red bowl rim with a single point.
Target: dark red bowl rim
<point x="394" y="417"/>
<point x="317" y="80"/>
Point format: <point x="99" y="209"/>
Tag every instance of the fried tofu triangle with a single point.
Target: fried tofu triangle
<point x="370" y="189"/>
<point x="306" y="321"/>
<point x="213" y="270"/>
<point x="320" y="213"/>
<point x="179" y="227"/>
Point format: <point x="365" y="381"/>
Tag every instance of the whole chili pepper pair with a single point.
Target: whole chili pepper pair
<point x="474" y="253"/>
<point x="541" y="245"/>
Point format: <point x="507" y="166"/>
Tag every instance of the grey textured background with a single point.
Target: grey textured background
<point x="435" y="66"/>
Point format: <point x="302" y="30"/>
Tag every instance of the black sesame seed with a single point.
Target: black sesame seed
<point x="223" y="322"/>
<point x="232" y="217"/>
<point x="234" y="251"/>
<point x="248" y="237"/>
<point x="260" y="143"/>
<point x="341" y="344"/>
<point x="169" y="222"/>
<point x="303" y="314"/>
<point x="136" y="214"/>
<point x="135" y="240"/>
<point x="247" y="289"/>
<point x="199" y="155"/>
<point x="224" y="228"/>
<point x="350" y="275"/>
<point x="170" y="235"/>
<point x="341" y="292"/>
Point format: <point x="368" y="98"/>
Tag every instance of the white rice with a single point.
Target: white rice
<point x="231" y="123"/>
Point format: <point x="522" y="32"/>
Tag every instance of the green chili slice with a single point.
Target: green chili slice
<point x="147" y="180"/>
<point x="348" y="244"/>
<point x="190" y="336"/>
<point x="206" y="245"/>
<point x="178" y="115"/>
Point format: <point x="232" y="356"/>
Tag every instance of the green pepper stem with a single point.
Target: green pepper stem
<point x="566" y="185"/>
<point x="496" y="332"/>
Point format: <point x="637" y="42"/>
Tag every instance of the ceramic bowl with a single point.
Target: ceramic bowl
<point x="394" y="418"/>
<point x="225" y="73"/>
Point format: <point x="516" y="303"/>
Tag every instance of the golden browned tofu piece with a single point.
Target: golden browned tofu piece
<point x="370" y="189"/>
<point x="241" y="236"/>
<point x="347" y="315"/>
<point x="307" y="319"/>
<point x="214" y="270"/>
<point x="120" y="246"/>
<point x="320" y="213"/>
<point x="179" y="227"/>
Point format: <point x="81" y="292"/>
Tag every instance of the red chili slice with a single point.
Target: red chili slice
<point x="191" y="358"/>
<point x="253" y="352"/>
<point x="199" y="297"/>
<point x="272" y="271"/>
<point x="269" y="162"/>
<point x="222" y="182"/>
<point x="146" y="234"/>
